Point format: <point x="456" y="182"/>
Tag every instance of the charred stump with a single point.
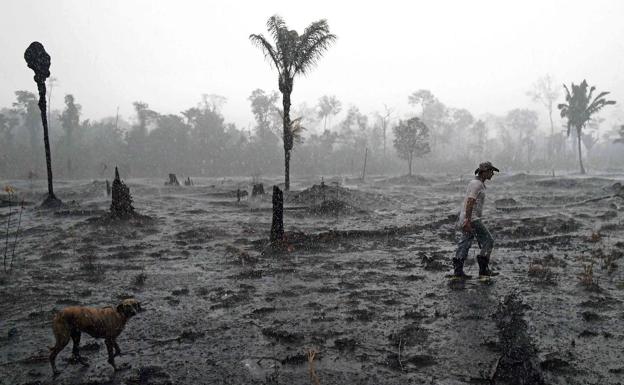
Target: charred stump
<point x="173" y="180"/>
<point x="121" y="205"/>
<point x="38" y="60"/>
<point x="277" y="226"/>
<point x="257" y="189"/>
<point x="188" y="181"/>
<point x="518" y="363"/>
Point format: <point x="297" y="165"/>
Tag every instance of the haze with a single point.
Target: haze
<point x="483" y="56"/>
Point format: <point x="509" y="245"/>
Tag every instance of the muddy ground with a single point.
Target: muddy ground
<point x="363" y="284"/>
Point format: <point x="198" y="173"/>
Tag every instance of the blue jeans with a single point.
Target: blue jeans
<point x="483" y="237"/>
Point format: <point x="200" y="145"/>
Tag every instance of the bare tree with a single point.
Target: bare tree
<point x="384" y="119"/>
<point x="545" y="93"/>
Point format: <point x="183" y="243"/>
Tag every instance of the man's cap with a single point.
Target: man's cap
<point x="486" y="166"/>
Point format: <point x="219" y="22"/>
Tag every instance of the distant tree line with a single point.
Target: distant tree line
<point x="328" y="139"/>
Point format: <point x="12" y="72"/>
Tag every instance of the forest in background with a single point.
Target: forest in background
<point x="335" y="139"/>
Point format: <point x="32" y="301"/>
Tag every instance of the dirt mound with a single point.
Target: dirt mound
<point x="408" y="179"/>
<point x="518" y="177"/>
<point x="572" y="182"/>
<point x="324" y="198"/>
<point x="334" y="207"/>
<point x="505" y="202"/>
<point x="616" y="188"/>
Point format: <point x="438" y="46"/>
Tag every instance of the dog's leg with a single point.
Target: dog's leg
<point x="117" y="350"/>
<point x="109" y="347"/>
<point x="75" y="335"/>
<point x="62" y="339"/>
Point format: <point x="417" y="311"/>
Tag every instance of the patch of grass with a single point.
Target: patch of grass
<point x="594" y="237"/>
<point x="542" y="274"/>
<point x="608" y="260"/>
<point x="139" y="279"/>
<point x="272" y="378"/>
<point x="587" y="279"/>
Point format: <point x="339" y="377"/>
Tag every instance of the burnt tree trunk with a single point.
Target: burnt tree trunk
<point x="39" y="61"/>
<point x="121" y="202"/>
<point x="277" y="226"/>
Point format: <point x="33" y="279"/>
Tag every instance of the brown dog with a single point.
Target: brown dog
<point x="106" y="322"/>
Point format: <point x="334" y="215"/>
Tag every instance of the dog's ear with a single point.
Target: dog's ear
<point x="125" y="309"/>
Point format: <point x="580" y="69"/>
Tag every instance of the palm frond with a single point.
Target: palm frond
<point x="591" y="92"/>
<point x="311" y="45"/>
<point x="309" y="56"/>
<point x="275" y="25"/>
<point x="296" y="129"/>
<point x="567" y="91"/>
<point x="267" y="49"/>
<point x="595" y="107"/>
<point x="313" y="32"/>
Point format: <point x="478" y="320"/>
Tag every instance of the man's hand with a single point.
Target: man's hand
<point x="467" y="226"/>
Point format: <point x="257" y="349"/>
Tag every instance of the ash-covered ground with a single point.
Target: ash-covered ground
<point x="363" y="283"/>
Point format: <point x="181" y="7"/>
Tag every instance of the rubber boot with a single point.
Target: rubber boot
<point x="484" y="270"/>
<point x="458" y="268"/>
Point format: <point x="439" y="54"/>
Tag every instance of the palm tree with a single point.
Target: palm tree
<point x="293" y="54"/>
<point x="579" y="108"/>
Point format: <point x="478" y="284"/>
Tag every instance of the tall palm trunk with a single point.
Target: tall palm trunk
<point x="578" y="137"/>
<point x="288" y="139"/>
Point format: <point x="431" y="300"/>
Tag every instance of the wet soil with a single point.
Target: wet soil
<point x="361" y="283"/>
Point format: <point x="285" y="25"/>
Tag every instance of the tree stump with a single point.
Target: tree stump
<point x="108" y="188"/>
<point x="257" y="189"/>
<point x="121" y="205"/>
<point x="187" y="182"/>
<point x="277" y="227"/>
<point x="173" y="180"/>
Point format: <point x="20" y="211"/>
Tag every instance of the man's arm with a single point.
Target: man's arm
<point x="466" y="226"/>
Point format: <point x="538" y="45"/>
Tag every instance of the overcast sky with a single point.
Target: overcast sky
<point x="479" y="55"/>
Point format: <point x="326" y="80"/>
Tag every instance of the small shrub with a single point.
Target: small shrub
<point x="608" y="260"/>
<point x="587" y="279"/>
<point x="595" y="237"/>
<point x="542" y="274"/>
<point x="139" y="279"/>
<point x="202" y="291"/>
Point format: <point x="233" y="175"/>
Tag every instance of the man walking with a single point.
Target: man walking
<point x="471" y="225"/>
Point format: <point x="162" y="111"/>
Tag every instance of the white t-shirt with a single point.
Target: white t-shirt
<point x="475" y="190"/>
